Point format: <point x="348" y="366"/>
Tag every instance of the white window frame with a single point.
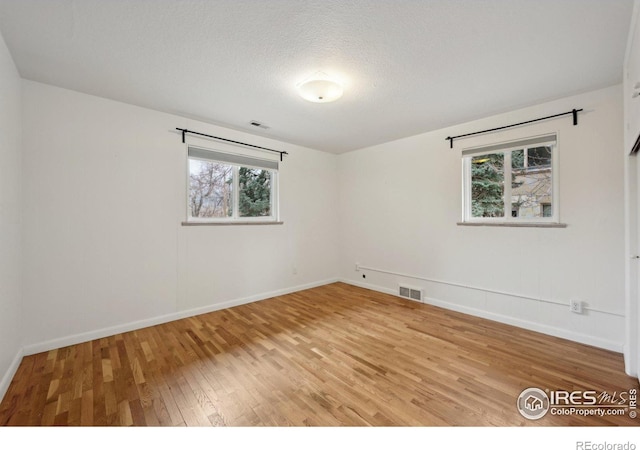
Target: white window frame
<point x="236" y="161"/>
<point x="506" y="148"/>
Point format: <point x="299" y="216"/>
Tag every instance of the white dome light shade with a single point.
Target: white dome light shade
<point x="320" y="89"/>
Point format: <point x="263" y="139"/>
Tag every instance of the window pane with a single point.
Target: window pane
<point x="210" y="189"/>
<point x="254" y="189"/>
<point x="539" y="157"/>
<point x="531" y="190"/>
<point x="487" y="185"/>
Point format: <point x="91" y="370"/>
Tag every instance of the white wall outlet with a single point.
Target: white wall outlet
<point x="576" y="306"/>
<point x="357" y="267"/>
<point x="294" y="270"/>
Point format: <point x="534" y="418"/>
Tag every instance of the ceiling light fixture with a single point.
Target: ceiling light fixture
<point x="320" y="89"/>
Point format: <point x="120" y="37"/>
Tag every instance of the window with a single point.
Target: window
<point x="226" y="187"/>
<point x="511" y="182"/>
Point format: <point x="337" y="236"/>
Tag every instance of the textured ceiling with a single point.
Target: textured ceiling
<point x="408" y="66"/>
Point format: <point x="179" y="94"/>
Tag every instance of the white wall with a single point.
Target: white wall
<point x="104" y="185"/>
<point x="400" y="202"/>
<point x="10" y="219"/>
<point x="632" y="194"/>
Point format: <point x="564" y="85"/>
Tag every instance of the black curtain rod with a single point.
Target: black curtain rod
<point x="185" y="131"/>
<point x="574" y="112"/>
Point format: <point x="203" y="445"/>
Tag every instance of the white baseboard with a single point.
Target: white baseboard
<point x="9" y="374"/>
<point x="46" y="346"/>
<point x="527" y="325"/>
<point x="372" y="287"/>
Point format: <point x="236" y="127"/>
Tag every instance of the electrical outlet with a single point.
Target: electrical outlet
<point x="357" y="267"/>
<point x="576" y="306"/>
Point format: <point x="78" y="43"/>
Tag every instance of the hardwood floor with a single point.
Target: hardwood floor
<point x="330" y="356"/>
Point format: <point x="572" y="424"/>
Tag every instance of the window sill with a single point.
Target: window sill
<point x="215" y="224"/>
<point x="514" y="224"/>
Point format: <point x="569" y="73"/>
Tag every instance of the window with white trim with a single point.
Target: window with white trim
<point x="225" y="187"/>
<point x="511" y="182"/>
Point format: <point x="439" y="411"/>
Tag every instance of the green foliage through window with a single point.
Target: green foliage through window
<point x="487" y="185"/>
<point x="254" y="192"/>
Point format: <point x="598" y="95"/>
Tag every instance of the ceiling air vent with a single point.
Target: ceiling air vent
<point x="255" y="123"/>
<point x="410" y="292"/>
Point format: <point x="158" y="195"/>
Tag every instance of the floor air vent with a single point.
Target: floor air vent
<point x="411" y="293"/>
